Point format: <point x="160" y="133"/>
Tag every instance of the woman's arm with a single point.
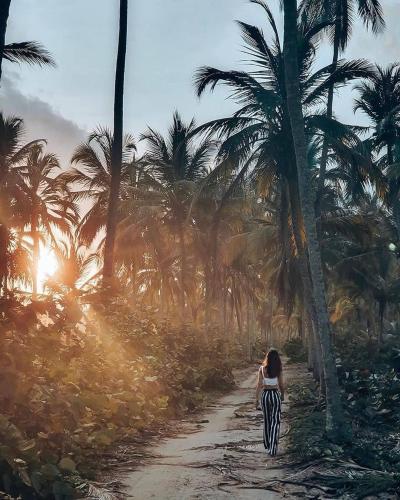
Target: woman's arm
<point x="258" y="388"/>
<point x="281" y="386"/>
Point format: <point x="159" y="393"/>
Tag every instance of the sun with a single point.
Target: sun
<point x="48" y="265"/>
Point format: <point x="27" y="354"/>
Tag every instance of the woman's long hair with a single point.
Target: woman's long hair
<point x="272" y="363"/>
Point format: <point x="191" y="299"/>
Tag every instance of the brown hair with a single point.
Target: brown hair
<point x="272" y="363"/>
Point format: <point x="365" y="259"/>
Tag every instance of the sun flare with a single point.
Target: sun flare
<point x="48" y="265"/>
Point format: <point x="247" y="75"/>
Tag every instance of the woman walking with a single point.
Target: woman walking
<point x="270" y="385"/>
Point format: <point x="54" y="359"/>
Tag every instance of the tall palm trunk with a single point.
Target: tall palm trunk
<point x="381" y="312"/>
<point x="116" y="151"/>
<point x="334" y="411"/>
<point x="35" y="253"/>
<point x="224" y="309"/>
<point x="207" y="292"/>
<point x="307" y="287"/>
<point x="329" y="113"/>
<point x="182" y="245"/>
<point x="394" y="192"/>
<point x="4" y="12"/>
<point x="3" y="259"/>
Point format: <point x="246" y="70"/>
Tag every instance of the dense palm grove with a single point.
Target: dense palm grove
<point x="278" y="224"/>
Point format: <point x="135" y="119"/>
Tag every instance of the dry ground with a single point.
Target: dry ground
<point x="216" y="456"/>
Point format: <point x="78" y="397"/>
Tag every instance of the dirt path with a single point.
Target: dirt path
<point x="219" y="457"/>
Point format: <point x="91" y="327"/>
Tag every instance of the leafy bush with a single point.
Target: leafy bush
<point x="370" y="384"/>
<point x="70" y="390"/>
<point x="369" y="376"/>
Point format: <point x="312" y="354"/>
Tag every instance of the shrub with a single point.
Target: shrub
<point x="69" y="391"/>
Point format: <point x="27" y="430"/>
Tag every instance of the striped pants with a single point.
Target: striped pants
<point x="271" y="407"/>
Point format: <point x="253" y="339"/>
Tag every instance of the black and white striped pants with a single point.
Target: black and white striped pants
<point x="271" y="407"/>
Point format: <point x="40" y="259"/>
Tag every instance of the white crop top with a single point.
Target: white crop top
<point x="268" y="380"/>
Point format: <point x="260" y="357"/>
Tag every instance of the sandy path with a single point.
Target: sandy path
<point x="211" y="459"/>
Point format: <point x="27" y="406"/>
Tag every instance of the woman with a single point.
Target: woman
<point x="270" y="385"/>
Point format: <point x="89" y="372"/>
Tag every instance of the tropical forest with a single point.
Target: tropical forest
<point x="199" y="249"/>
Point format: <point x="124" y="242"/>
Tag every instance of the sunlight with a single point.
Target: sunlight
<point x="48" y="265"/>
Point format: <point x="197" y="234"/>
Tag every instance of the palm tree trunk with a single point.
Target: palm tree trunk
<point x="334" y="410"/>
<point x="3" y="259"/>
<point x="225" y="310"/>
<point x="394" y="193"/>
<point x="4" y="13"/>
<point x="116" y="151"/>
<point x="35" y="254"/>
<point x="207" y="293"/>
<point x="298" y="231"/>
<point x="309" y="339"/>
<point x="183" y="268"/>
<point x="329" y="114"/>
<point x="238" y="318"/>
<point x="382" y="308"/>
<point x="248" y="327"/>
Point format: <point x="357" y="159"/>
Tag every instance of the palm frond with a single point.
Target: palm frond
<point x="28" y="52"/>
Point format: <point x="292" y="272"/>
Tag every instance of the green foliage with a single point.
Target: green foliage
<point x="370" y="383"/>
<point x="360" y="483"/>
<point x="69" y="391"/>
<point x="369" y="375"/>
<point x="306" y="439"/>
<point x="295" y="350"/>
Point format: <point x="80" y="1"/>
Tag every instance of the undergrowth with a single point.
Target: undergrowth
<point x="370" y="385"/>
<point x="74" y="383"/>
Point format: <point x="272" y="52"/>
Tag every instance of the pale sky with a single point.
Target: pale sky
<point x="167" y="41"/>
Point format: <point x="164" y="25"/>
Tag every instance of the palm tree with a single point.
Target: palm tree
<point x="177" y="164"/>
<point x="262" y="126"/>
<point x="341" y="15"/>
<point x="362" y="268"/>
<point x="12" y="154"/>
<point x="76" y="267"/>
<point x="117" y="145"/>
<point x="30" y="52"/>
<point x="146" y="253"/>
<point x="4" y="13"/>
<point x="90" y="180"/>
<point x="334" y="411"/>
<point x="379" y="99"/>
<point x="45" y="203"/>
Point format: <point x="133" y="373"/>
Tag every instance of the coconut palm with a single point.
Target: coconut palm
<point x="370" y="268"/>
<point x="90" y="180"/>
<point x="263" y="125"/>
<point x="341" y="13"/>
<point x="45" y="203"/>
<point x="262" y="122"/>
<point x="4" y="13"/>
<point x="334" y="411"/>
<point x="379" y="99"/>
<point x="30" y="52"/>
<point x="12" y="154"/>
<point x="177" y="163"/>
<point x="76" y="267"/>
<point x="117" y="145"/>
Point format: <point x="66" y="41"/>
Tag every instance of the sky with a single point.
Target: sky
<point x="167" y="41"/>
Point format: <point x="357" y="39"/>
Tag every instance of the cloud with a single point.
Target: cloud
<point x="41" y="121"/>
